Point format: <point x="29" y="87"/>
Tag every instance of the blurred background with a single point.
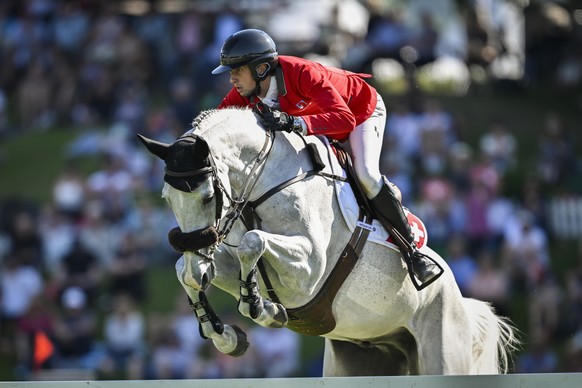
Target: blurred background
<point x="483" y="138"/>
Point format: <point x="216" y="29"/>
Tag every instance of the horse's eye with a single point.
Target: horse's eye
<point x="208" y="199"/>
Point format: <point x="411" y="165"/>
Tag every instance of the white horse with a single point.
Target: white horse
<point x="374" y="321"/>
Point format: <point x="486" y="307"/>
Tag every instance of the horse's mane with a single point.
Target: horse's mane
<point x="213" y="117"/>
<point x="202" y="116"/>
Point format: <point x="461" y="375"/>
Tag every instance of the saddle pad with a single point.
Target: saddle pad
<point x="350" y="208"/>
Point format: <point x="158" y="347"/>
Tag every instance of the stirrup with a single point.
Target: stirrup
<point x="419" y="285"/>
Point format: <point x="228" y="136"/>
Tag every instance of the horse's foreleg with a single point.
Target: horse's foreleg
<point x="253" y="305"/>
<point x="277" y="249"/>
<point x="229" y="339"/>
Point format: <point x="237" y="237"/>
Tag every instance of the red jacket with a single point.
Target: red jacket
<point x="331" y="101"/>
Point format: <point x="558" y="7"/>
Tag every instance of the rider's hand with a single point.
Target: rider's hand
<point x="276" y="120"/>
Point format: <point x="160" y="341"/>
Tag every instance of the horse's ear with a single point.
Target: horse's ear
<point x="155" y="147"/>
<point x="201" y="149"/>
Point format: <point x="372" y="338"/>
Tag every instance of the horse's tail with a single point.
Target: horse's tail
<point x="494" y="338"/>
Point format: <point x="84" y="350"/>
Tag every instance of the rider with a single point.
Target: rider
<point x="306" y="97"/>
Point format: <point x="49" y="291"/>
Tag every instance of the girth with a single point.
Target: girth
<point x="316" y="317"/>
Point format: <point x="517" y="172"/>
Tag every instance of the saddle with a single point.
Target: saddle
<point x="316" y="317"/>
<point x="345" y="161"/>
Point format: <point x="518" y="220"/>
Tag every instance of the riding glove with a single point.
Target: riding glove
<point x="276" y="120"/>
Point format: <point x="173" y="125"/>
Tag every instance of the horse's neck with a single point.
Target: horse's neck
<point x="236" y="142"/>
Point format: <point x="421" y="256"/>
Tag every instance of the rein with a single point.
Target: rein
<point x="241" y="200"/>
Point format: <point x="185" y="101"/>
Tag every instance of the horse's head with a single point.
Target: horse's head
<point x="195" y="195"/>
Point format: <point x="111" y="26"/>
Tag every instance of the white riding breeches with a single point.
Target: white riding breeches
<point x="366" y="145"/>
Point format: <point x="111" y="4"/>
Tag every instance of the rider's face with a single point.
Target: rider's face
<point x="242" y="79"/>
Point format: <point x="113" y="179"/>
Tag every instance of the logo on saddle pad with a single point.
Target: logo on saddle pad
<point x="418" y="230"/>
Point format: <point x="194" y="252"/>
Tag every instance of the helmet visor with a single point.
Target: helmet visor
<point x="221" y="69"/>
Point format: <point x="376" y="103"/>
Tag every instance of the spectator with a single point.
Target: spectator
<point x="574" y="353"/>
<point x="525" y="250"/>
<point x="4" y="128"/>
<point x="387" y="33"/>
<point x="499" y="145"/>
<point x="155" y="29"/>
<point x="20" y="285"/>
<point x="539" y="358"/>
<point x="403" y="133"/>
<point x="38" y="320"/>
<point x="460" y="160"/>
<point x="133" y="61"/>
<point x="437" y="134"/>
<point x="182" y="101"/>
<point x="500" y="209"/>
<point x="555" y="152"/>
<point x="112" y="187"/>
<point x="124" y="334"/>
<point x="75" y="335"/>
<point x="127" y="270"/>
<point x="168" y="359"/>
<point x="99" y="235"/>
<point x="277" y="351"/>
<point x="149" y="225"/>
<point x="534" y="201"/>
<point x="478" y="201"/>
<point x="424" y="38"/>
<point x="25" y="239"/>
<point x="35" y="97"/>
<point x="490" y="283"/>
<point x="573" y="294"/>
<point x="58" y="234"/>
<point x="547" y="30"/>
<point x="71" y="27"/>
<point x="69" y="193"/>
<point x="462" y="265"/>
<point x="80" y="269"/>
<point x="185" y="326"/>
<point x="130" y="109"/>
<point x="441" y="210"/>
<point x="545" y="304"/>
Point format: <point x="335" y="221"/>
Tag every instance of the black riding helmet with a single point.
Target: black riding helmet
<point x="248" y="47"/>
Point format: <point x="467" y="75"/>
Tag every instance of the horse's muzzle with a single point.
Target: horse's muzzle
<point x="192" y="241"/>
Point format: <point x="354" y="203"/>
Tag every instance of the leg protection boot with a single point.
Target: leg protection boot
<point x="388" y="210"/>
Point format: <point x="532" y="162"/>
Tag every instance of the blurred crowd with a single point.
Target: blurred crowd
<point x="74" y="270"/>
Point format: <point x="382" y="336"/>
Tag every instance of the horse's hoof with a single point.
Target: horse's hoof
<point x="280" y="319"/>
<point x="242" y="344"/>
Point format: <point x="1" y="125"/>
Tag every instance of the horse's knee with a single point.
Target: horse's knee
<point x="251" y="246"/>
<point x="180" y="266"/>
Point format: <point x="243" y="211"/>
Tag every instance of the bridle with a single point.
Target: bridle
<point x="237" y="203"/>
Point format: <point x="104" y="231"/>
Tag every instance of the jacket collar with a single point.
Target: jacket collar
<point x="280" y="81"/>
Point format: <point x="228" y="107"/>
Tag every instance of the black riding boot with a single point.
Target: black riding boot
<point x="391" y="215"/>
